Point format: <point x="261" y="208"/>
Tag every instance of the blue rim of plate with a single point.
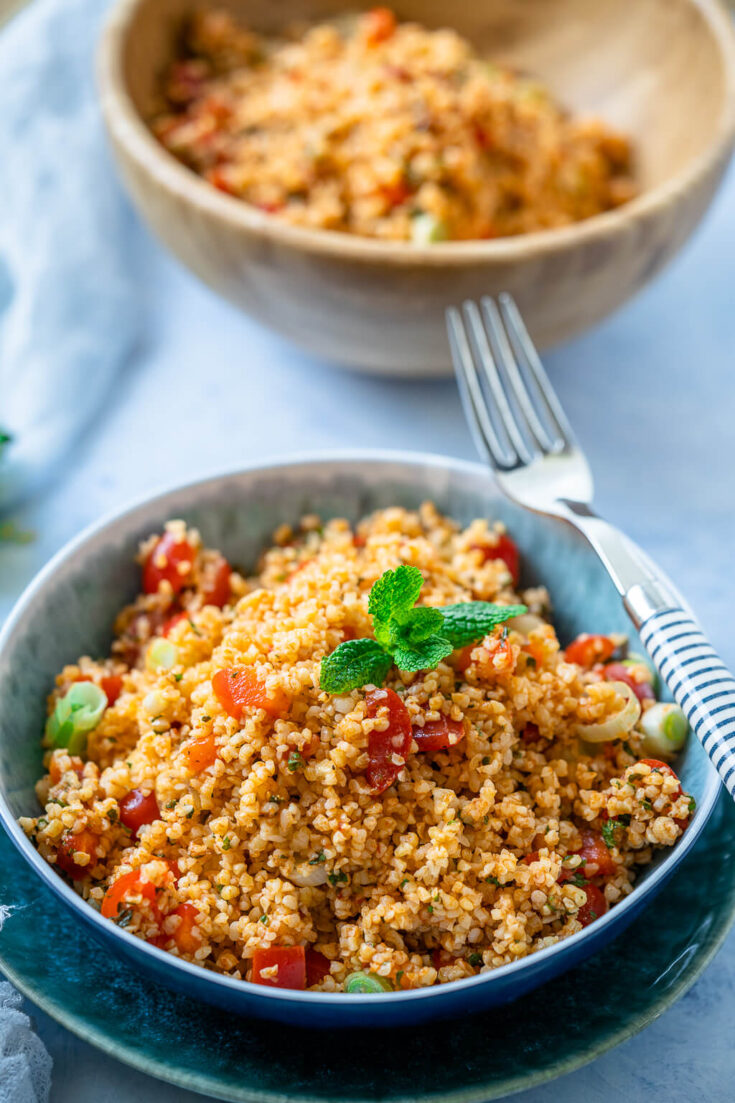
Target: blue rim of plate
<point x="552" y="1031"/>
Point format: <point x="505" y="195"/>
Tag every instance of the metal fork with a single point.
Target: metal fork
<point x="519" y="426"/>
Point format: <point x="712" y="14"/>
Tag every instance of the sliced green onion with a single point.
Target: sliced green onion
<point x="427" y="229"/>
<point x="161" y="655"/>
<point x="665" y="729"/>
<point x="75" y="714"/>
<point x="617" y="726"/>
<point x="367" y="982"/>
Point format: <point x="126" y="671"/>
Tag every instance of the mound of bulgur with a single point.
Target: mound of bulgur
<point x="219" y="836"/>
<point x="384" y="129"/>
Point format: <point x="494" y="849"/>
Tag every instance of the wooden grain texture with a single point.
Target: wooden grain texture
<point x="663" y="70"/>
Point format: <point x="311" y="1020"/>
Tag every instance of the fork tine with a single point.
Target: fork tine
<point x="489" y="366"/>
<point x="547" y="442"/>
<point x="525" y="348"/>
<point x="473" y="401"/>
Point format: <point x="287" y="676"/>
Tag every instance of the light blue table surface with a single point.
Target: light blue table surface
<point x="652" y="395"/>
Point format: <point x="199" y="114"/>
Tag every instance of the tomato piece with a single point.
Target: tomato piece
<point x="595" y="852"/>
<point x="463" y="657"/>
<point x="82" y="842"/>
<point x="317" y="967"/>
<point x="202" y="754"/>
<point x="216" y="588"/>
<point x="169" y="625"/>
<point x="111" y="687"/>
<point x="240" y="689"/>
<point x="54" y="768"/>
<point x="217" y="177"/>
<point x="530" y="734"/>
<point x="186" y="936"/>
<point x="505" y="549"/>
<point x="496" y="655"/>
<point x="291" y="963"/>
<point x="379" y="24"/>
<point x="170" y="560"/>
<point x="595" y="905"/>
<point x="616" y="672"/>
<point x="129" y="885"/>
<point x="439" y="735"/>
<point x="587" y="650"/>
<point x="440" y="958"/>
<point x="137" y="809"/>
<point x="396" y="194"/>
<point x="382" y="771"/>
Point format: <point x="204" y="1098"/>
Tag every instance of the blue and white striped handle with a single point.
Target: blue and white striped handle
<point x="700" y="682"/>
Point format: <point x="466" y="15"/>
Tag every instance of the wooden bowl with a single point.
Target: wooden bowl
<point x="662" y="71"/>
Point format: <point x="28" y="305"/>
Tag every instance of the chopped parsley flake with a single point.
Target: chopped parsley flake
<point x="295" y="762"/>
<point x="320" y="857"/>
<point x="226" y="844"/>
<point x="475" y="959"/>
<point x="338" y="878"/>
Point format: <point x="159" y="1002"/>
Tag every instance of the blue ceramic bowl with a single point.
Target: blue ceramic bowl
<point x="69" y="609"/>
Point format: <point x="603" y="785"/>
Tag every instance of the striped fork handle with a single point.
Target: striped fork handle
<point x="700" y="682"/>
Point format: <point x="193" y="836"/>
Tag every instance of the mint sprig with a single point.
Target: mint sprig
<point x="414" y="638"/>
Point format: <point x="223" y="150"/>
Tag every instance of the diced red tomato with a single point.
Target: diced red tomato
<point x="217" y="177"/>
<point x="112" y="687"/>
<point x="358" y="540"/>
<point x="240" y="689"/>
<point x="595" y="853"/>
<point x="137" y="809"/>
<point x="173" y="865"/>
<point x="317" y="967"/>
<point x="396" y="194"/>
<point x="216" y="587"/>
<point x="505" y="549"/>
<point x="170" y="560"/>
<point x="129" y="885"/>
<point x="482" y="137"/>
<point x="202" y="753"/>
<point x="440" y="958"/>
<point x="595" y="905"/>
<point x="530" y="734"/>
<point x="587" y="650"/>
<point x="496" y="654"/>
<point x="382" y="771"/>
<point x="463" y="658"/>
<point x="54" y="768"/>
<point x="171" y="623"/>
<point x="616" y="672"/>
<point x="379" y="25"/>
<point x="439" y="735"/>
<point x="291" y="962"/>
<point x="82" y="842"/>
<point x="186" y="936"/>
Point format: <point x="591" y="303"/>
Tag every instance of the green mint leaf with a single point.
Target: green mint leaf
<point x="416" y="626"/>
<point x="472" y="620"/>
<point x="423" y="656"/>
<point x="393" y="597"/>
<point x="353" y="664"/>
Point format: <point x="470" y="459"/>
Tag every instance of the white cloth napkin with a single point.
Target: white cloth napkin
<point x="69" y="315"/>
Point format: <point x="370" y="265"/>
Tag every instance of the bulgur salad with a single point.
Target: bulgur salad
<point x="370" y="766"/>
<point x="389" y="130"/>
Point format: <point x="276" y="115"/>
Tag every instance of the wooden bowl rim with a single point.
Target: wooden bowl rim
<point x="130" y="132"/>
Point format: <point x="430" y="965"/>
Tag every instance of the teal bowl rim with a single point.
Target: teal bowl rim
<point x="44" y="578"/>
